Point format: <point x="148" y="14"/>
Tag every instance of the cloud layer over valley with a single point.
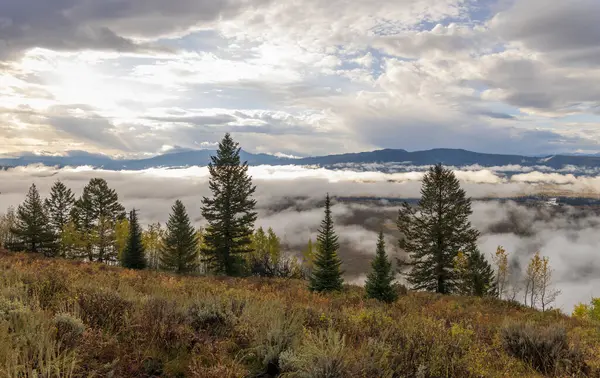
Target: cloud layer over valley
<point x="290" y="199"/>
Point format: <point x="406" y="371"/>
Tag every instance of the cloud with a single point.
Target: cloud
<point x="71" y="25"/>
<point x="197" y="119"/>
<point x="96" y="131"/>
<point x="441" y="41"/>
<point x="315" y="25"/>
<point x="303" y="78"/>
<point x="425" y="125"/>
<point x="565" y="32"/>
<point x="566" y="236"/>
<point x="497" y="115"/>
<point x="530" y="83"/>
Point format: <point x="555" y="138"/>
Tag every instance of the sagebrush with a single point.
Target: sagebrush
<point x="61" y="318"/>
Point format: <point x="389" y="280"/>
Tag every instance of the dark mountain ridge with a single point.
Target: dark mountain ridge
<point x="454" y="157"/>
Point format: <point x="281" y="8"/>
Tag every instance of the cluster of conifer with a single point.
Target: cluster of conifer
<point x="437" y="235"/>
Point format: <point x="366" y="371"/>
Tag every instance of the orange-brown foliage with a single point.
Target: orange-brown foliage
<point x="155" y="324"/>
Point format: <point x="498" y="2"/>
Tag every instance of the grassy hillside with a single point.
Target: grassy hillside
<point x="64" y="318"/>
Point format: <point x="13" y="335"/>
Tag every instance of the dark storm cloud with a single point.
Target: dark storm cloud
<point x="25" y="24"/>
<point x="72" y="25"/>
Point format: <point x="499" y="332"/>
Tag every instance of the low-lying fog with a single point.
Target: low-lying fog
<point x="289" y="200"/>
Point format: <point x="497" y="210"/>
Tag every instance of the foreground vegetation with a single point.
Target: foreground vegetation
<point x="70" y="319"/>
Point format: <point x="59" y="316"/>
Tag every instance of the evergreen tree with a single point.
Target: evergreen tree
<point x="380" y="280"/>
<point x="436" y="230"/>
<point x="58" y="207"/>
<point x="230" y="212"/>
<point x="481" y="276"/>
<point x="327" y="273"/>
<point x="179" y="252"/>
<point x="96" y="215"/>
<point x="133" y="255"/>
<point x="32" y="229"/>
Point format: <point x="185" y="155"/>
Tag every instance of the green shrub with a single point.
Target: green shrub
<point x="545" y="349"/>
<point x="28" y="347"/>
<point x="274" y="333"/>
<point x="431" y="345"/>
<point x="68" y="329"/>
<point x="321" y="355"/>
<point x="9" y="307"/>
<point x="212" y="315"/>
<point x="14" y="292"/>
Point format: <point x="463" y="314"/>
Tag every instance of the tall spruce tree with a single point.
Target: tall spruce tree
<point x="133" y="255"/>
<point x="436" y="230"/>
<point x="380" y="280"/>
<point x="58" y="207"/>
<point x="31" y="230"/>
<point x="482" y="280"/>
<point x="230" y="212"/>
<point x="96" y="214"/>
<point x="327" y="274"/>
<point x="179" y="252"/>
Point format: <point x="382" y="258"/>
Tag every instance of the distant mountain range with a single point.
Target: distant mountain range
<point x="454" y="157"/>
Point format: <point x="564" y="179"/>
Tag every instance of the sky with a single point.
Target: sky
<point x="313" y="77"/>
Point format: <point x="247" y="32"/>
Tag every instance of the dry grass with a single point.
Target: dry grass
<point x="67" y="319"/>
